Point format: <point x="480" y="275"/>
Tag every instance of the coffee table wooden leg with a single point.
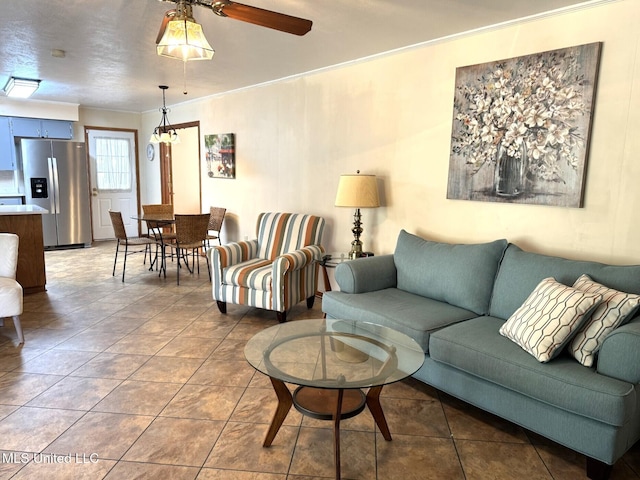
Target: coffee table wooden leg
<point x="284" y="405"/>
<point x="373" y="402"/>
<point x="336" y="432"/>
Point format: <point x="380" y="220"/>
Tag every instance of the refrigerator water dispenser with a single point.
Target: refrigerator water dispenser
<point x="39" y="188"/>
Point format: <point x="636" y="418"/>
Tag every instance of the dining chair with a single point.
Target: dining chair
<point x="10" y="289"/>
<point x="164" y="210"/>
<point x="216" y="217"/>
<point x="122" y="238"/>
<point x="191" y="234"/>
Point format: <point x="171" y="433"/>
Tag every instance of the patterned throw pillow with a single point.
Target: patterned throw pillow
<point x="616" y="308"/>
<point x="548" y="318"/>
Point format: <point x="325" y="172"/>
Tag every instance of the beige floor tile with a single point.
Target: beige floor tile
<point x="57" y="362"/>
<point x="230" y="349"/>
<point x="131" y="470"/>
<point x="111" y="365"/>
<point x="138" y="398"/>
<point x="258" y="405"/>
<point x="75" y="393"/>
<point x="173" y="441"/>
<point x="240" y="448"/>
<point x="498" y="460"/>
<point x="214" y="474"/>
<point x="207" y="329"/>
<point x="78" y="469"/>
<point x="418" y="458"/>
<point x="470" y="423"/>
<point x="105" y="435"/>
<point x="140" y="344"/>
<point x="161" y="327"/>
<point x="407" y="416"/>
<point x="90" y="341"/>
<point x="31" y="429"/>
<point x="203" y="402"/>
<point x="189" y="347"/>
<point x="6" y="410"/>
<point x="19" y="388"/>
<point x="314" y="454"/>
<point x="231" y="373"/>
<point x="167" y="369"/>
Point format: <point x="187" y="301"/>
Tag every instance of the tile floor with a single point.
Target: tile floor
<point x="145" y="379"/>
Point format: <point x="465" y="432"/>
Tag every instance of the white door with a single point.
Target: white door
<point x="112" y="163"/>
<point x="185" y="172"/>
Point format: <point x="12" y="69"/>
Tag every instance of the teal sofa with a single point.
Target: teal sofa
<point x="453" y="299"/>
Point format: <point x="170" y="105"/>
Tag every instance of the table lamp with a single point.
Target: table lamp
<point x="357" y="191"/>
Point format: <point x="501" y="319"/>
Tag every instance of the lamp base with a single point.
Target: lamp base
<point x="356" y="250"/>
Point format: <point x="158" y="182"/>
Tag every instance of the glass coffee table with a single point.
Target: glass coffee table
<point x="331" y="361"/>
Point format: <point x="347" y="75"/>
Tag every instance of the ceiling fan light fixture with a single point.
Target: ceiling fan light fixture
<point x="183" y="37"/>
<point x="21" y="87"/>
<point x="164" y="132"/>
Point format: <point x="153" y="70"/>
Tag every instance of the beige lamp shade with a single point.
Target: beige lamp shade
<point x="184" y="39"/>
<point x="357" y="191"/>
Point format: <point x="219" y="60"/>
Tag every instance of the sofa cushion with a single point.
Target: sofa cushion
<point x="549" y="318"/>
<point x="521" y="271"/>
<point x="461" y="275"/>
<point x="411" y="314"/>
<point x="616" y="308"/>
<point x="476" y="347"/>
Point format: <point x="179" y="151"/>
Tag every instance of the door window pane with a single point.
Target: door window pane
<point x="113" y="165"/>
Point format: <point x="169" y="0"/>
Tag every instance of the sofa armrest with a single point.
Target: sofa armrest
<point x="619" y="356"/>
<point x="222" y="256"/>
<point x="367" y="274"/>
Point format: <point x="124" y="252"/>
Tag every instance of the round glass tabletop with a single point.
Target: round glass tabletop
<point x="337" y="354"/>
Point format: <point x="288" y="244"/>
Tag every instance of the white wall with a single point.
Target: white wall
<point x="391" y="117"/>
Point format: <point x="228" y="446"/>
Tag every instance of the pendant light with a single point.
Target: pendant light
<point x="164" y="132"/>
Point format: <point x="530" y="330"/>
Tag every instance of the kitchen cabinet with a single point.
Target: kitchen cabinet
<point x="6" y="145"/>
<point x="41" y="128"/>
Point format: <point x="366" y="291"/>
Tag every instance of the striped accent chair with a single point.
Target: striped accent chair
<point x="274" y="271"/>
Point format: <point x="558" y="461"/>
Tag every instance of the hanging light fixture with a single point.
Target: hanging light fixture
<point x="181" y="36"/>
<point x="164" y="132"/>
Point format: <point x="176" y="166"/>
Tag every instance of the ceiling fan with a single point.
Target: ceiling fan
<point x="244" y="13"/>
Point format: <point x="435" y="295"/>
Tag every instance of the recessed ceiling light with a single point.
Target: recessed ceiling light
<point x="21" y="87"/>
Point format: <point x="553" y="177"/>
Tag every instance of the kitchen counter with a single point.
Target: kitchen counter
<point x="26" y="222"/>
<point x="22" y="210"/>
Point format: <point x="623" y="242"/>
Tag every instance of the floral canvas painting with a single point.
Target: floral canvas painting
<point x="220" y="155"/>
<point x="521" y="128"/>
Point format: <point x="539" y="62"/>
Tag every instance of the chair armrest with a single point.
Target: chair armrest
<point x="367" y="274"/>
<point x="232" y="253"/>
<point x="619" y="356"/>
<point x="298" y="259"/>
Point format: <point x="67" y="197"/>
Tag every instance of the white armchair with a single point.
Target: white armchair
<point x="10" y="289"/>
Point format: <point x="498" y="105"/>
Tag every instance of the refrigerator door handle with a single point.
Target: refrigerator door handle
<point x="52" y="196"/>
<point x="56" y="184"/>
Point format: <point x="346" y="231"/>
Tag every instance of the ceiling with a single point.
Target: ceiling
<point x="110" y="60"/>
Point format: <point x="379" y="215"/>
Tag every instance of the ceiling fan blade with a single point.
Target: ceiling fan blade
<point x="165" y="20"/>
<point x="264" y="18"/>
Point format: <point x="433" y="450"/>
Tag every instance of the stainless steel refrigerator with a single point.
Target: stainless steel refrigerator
<point x="55" y="178"/>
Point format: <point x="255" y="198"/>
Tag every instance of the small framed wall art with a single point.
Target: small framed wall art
<point x="220" y="155"/>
